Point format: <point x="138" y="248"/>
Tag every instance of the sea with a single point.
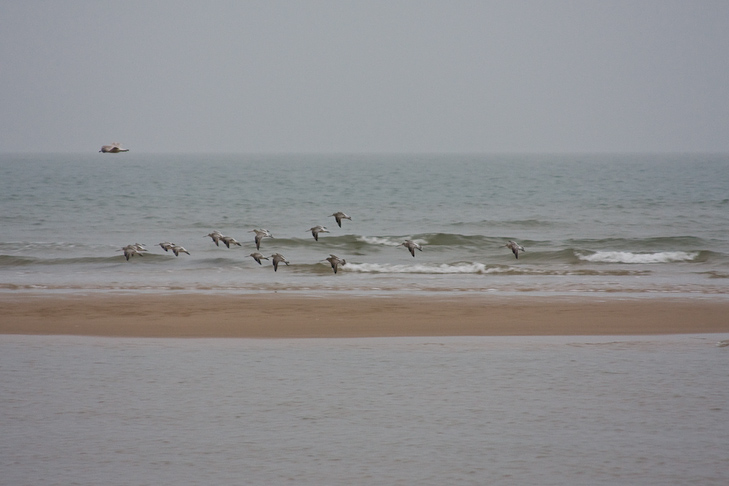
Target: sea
<point x="626" y="224"/>
<point x="559" y="410"/>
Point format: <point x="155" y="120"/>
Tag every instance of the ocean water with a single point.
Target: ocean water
<point x="612" y="410"/>
<point x="428" y="411"/>
<point x="637" y="224"/>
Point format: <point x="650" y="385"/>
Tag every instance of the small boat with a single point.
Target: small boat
<point x="114" y="148"/>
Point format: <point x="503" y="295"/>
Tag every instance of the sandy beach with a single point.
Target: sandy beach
<point x="295" y="316"/>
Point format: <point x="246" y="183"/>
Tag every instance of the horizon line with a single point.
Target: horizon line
<point x="379" y="153"/>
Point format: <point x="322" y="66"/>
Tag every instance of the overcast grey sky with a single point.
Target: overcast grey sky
<point x="365" y="76"/>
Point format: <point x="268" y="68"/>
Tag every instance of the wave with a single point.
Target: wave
<point x="630" y="257"/>
<point x="355" y="242"/>
<point x="387" y="268"/>
<point x="686" y="244"/>
<point x="459" y="268"/>
<point x="716" y="274"/>
<point x="23" y="261"/>
<point x="665" y="243"/>
<point x="516" y="223"/>
<point x="380" y="240"/>
<point x="476" y="268"/>
<point x="451" y="240"/>
<point x="441" y="250"/>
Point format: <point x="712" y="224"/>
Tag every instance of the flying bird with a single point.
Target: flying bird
<point x="114" y="148"/>
<point x="260" y="234"/>
<point x="229" y="240"/>
<point x="335" y="261"/>
<point x="216" y="236"/>
<point x="131" y="250"/>
<point x="177" y="249"/>
<point x="339" y="216"/>
<point x="258" y="257"/>
<point x="318" y="229"/>
<point x="411" y="245"/>
<point x="515" y="248"/>
<point x="278" y="258"/>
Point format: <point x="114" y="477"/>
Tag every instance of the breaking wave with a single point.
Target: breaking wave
<point x="420" y="268"/>
<point x="381" y="240"/>
<point x="629" y="257"/>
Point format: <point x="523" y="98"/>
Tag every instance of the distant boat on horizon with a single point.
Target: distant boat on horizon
<point x="114" y="148"/>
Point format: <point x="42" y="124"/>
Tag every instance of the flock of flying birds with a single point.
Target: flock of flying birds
<point x="276" y="258"/>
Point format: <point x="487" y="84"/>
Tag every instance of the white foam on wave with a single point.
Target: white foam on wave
<point x="378" y="240"/>
<point x="629" y="257"/>
<point x="385" y="241"/>
<point x="459" y="268"/>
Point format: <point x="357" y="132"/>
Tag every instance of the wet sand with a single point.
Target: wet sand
<point x="295" y="316"/>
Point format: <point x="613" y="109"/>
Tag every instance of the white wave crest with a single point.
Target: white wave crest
<point x="378" y="240"/>
<point x="459" y="268"/>
<point x="385" y="241"/>
<point x="628" y="257"/>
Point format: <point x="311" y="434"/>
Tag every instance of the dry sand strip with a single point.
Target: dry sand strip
<point x="295" y="316"/>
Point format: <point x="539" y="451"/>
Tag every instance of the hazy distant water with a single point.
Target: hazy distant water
<point x="655" y="224"/>
<point x="426" y="411"/>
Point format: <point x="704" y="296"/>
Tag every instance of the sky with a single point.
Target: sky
<point x="365" y="76"/>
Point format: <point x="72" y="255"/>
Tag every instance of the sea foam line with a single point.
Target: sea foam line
<point x="385" y="241"/>
<point x="459" y="268"/>
<point x="629" y="257"/>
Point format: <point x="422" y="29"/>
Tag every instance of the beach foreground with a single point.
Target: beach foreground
<point x="336" y="316"/>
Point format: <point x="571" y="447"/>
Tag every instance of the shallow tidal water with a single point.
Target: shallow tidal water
<point x="429" y="411"/>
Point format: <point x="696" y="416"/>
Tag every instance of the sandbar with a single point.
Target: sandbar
<point x="276" y="315"/>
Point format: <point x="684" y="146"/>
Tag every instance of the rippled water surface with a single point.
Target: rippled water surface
<point x="428" y="411"/>
<point x="637" y="224"/>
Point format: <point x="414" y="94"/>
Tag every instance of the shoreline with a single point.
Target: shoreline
<point x="336" y="316"/>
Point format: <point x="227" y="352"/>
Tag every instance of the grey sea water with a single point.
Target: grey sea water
<point x="638" y="224"/>
<point x="430" y="411"/>
<point x="427" y="411"/>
